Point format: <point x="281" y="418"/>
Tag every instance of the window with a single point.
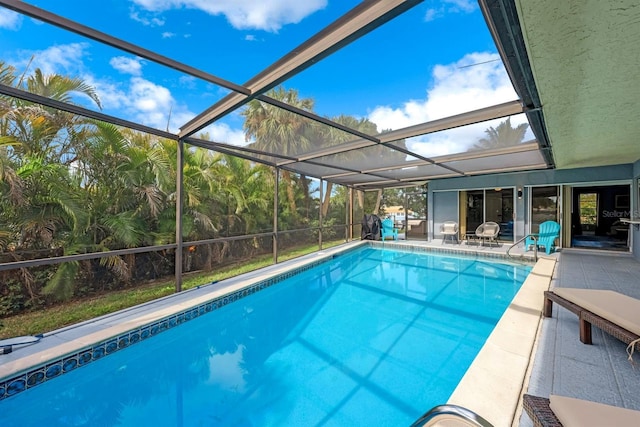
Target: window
<point x="589" y="210"/>
<point x="544" y="206"/>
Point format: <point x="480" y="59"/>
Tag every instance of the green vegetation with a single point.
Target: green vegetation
<point x="71" y="185"/>
<point x="589" y="209"/>
<point x="503" y="135"/>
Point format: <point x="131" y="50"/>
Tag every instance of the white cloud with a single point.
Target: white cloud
<point x="127" y="65"/>
<point x="245" y="14"/>
<point x="460" y="139"/>
<point x="222" y="132"/>
<point x="250" y="38"/>
<point x="10" y="19"/>
<point x="432" y="14"/>
<point x="63" y="59"/>
<point x="142" y="101"/>
<point x="153" y="105"/>
<point x="168" y="35"/>
<point x="135" y="99"/>
<point x="111" y="96"/>
<point x="466" y="6"/>
<point x="188" y="82"/>
<point x="149" y="97"/>
<point x="146" y="21"/>
<point x="449" y="7"/>
<point x="476" y="81"/>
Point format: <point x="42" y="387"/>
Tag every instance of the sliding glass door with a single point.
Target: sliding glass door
<point x="474" y="210"/>
<point x="544" y="206"/>
<point x="478" y="206"/>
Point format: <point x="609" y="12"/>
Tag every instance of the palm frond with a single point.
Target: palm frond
<point x="125" y="227"/>
<point x="61" y="284"/>
<point x="117" y="266"/>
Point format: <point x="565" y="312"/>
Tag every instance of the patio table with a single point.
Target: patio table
<point x="470" y="237"/>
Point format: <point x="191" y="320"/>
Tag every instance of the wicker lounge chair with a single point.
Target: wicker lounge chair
<point x="449" y="229"/>
<point x="559" y="411"/>
<point x="614" y="313"/>
<point x="488" y="231"/>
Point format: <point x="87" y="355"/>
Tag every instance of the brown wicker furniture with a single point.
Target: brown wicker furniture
<point x="539" y="411"/>
<point x="558" y="411"/>
<point x="588" y="318"/>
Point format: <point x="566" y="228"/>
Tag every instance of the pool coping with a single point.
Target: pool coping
<point x="79" y="344"/>
<point x="70" y="347"/>
<point x="493" y="385"/>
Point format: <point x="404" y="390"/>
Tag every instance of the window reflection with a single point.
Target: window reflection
<point x="478" y="206"/>
<point x="544" y="206"/>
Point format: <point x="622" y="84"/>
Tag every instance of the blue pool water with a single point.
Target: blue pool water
<point x="374" y="337"/>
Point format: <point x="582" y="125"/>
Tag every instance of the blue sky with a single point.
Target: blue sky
<point x="436" y="60"/>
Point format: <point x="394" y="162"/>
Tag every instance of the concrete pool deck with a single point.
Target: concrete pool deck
<point x="559" y="363"/>
<point x="501" y="372"/>
<point x="67" y="341"/>
<point x="565" y="366"/>
<point x="493" y="384"/>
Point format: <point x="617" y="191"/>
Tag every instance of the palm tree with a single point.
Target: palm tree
<point x="41" y="195"/>
<point x="276" y="130"/>
<point x="332" y="136"/>
<point x="504" y="135"/>
<point x="45" y="131"/>
<point x="118" y="172"/>
<point x="248" y="188"/>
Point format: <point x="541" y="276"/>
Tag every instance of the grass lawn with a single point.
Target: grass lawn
<point x="64" y="314"/>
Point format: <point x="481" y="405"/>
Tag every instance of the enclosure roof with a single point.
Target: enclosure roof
<point x="565" y="104"/>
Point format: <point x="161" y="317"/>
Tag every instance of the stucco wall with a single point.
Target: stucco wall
<point x="445" y="206"/>
<point x="448" y="188"/>
<point x="542" y="177"/>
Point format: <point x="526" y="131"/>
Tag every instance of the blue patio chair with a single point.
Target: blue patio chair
<point x="547" y="235"/>
<point x="388" y="230"/>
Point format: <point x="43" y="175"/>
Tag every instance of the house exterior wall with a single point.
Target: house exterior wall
<point x="541" y="177"/>
<point x="445" y="205"/>
<point x="445" y="191"/>
<point x="635" y="212"/>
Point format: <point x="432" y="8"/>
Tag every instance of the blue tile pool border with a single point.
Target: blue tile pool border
<point x="453" y="251"/>
<point x="41" y="373"/>
<point x="52" y="369"/>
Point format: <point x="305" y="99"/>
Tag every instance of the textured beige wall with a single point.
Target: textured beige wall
<point x="585" y="58"/>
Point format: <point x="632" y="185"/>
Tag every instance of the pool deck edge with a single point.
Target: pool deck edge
<point x="493" y="384"/>
<point x="66" y="343"/>
<point x="73" y="338"/>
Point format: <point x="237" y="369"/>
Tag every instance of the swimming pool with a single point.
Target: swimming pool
<point x="374" y="335"/>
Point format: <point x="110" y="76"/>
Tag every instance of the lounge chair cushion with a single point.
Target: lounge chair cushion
<point x="583" y="413"/>
<point x="617" y="308"/>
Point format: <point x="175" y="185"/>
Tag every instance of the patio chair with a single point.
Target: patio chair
<point x="614" y="313"/>
<point x="417" y="229"/>
<point x="547" y="235"/>
<point x="388" y="229"/>
<point x="449" y="229"/>
<point x="559" y="411"/>
<point x="488" y="231"/>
